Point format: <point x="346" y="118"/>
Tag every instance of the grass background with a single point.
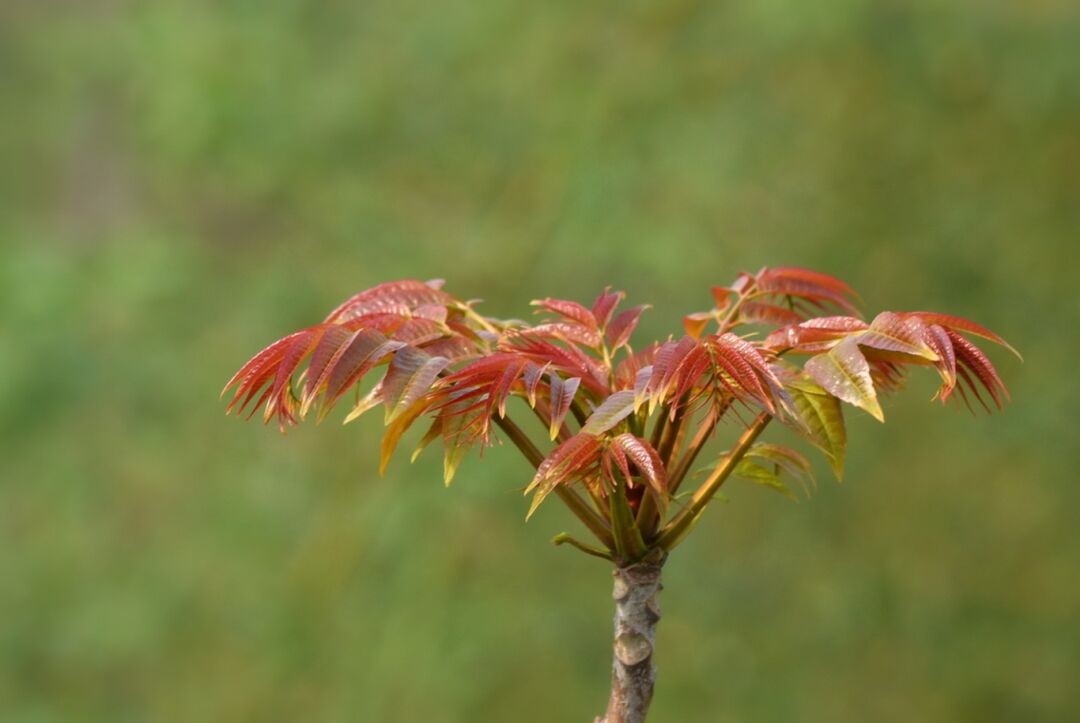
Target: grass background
<point x="183" y="181"/>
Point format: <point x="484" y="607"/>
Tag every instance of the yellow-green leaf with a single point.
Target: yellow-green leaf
<point x="613" y="410"/>
<point x="844" y="372"/>
<point x="764" y="476"/>
<point x="821" y="420"/>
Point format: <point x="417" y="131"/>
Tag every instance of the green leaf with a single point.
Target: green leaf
<point x="764" y="476"/>
<point x="788" y="459"/>
<point x="844" y="372"/>
<point x="784" y="461"/>
<point x="821" y="420"/>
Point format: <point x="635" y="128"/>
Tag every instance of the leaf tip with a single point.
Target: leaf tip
<point x="873" y="407"/>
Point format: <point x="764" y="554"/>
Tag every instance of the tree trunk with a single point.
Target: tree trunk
<point x="637" y="610"/>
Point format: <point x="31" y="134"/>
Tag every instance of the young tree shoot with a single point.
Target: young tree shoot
<point x="618" y="427"/>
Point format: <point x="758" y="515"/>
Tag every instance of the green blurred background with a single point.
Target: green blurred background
<point x="181" y="182"/>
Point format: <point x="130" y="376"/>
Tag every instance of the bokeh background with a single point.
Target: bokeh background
<point x="184" y="181"/>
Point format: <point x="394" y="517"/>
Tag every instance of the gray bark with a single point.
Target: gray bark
<point x="637" y="610"/>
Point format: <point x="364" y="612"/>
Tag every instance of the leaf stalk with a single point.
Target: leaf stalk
<point x="676" y="530"/>
<point x="579" y="507"/>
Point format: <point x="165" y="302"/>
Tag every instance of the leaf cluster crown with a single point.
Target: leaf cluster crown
<point x="618" y="426"/>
